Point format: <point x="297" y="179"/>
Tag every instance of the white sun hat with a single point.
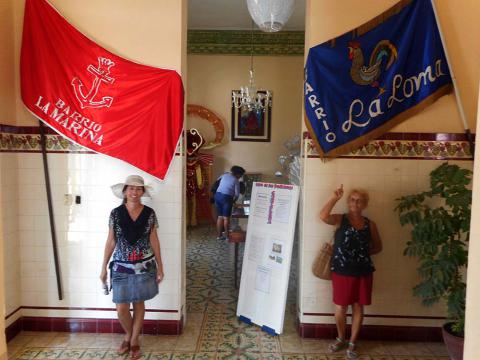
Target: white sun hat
<point x="132" y="180"/>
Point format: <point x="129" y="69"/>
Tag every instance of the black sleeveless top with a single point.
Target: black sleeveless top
<point x="351" y="249"/>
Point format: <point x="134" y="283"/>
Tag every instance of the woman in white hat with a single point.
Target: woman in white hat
<point x="136" y="267"/>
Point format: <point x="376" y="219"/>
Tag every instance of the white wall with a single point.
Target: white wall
<point x="154" y="34"/>
<point x="211" y="78"/>
<point x="395" y="276"/>
<point x="82" y="231"/>
<point x="11" y="244"/>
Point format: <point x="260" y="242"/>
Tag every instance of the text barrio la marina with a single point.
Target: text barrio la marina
<point x="71" y="120"/>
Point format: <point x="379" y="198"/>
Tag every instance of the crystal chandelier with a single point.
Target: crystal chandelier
<point x="270" y="15"/>
<point x="248" y="97"/>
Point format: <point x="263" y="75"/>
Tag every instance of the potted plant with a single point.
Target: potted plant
<point x="440" y="220"/>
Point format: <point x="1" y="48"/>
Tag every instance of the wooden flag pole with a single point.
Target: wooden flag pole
<point x="455" y="86"/>
<point x="43" y="141"/>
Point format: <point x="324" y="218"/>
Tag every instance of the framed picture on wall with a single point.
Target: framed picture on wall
<point x="251" y="125"/>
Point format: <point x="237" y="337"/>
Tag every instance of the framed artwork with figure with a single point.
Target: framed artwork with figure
<point x="251" y="125"/>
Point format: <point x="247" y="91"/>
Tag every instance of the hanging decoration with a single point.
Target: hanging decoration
<point x="364" y="82"/>
<point x="95" y="98"/>
<point x="212" y="118"/>
<point x="199" y="173"/>
<point x="270" y="15"/>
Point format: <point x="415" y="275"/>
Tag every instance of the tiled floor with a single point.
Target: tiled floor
<point x="212" y="331"/>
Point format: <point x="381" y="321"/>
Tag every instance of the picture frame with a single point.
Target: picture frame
<point x="251" y="125"/>
<point x="249" y="179"/>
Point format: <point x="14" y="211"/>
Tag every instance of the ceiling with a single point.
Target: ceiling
<point x="233" y="15"/>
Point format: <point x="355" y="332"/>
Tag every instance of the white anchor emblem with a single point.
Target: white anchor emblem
<point x="101" y="74"/>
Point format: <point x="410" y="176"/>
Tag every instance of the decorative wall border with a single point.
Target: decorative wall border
<point x="15" y="139"/>
<point x="89" y="325"/>
<point x="27" y="139"/>
<point x="81" y="309"/>
<point x="239" y="42"/>
<point x="426" y="146"/>
<point x="374" y="332"/>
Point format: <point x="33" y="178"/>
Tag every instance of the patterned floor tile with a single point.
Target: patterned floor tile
<point x="160" y="355"/>
<point x="315" y="356"/>
<point x="271" y="356"/>
<point x="50" y="353"/>
<point x="213" y="330"/>
<point x="437" y="349"/>
<point x="234" y="355"/>
<point x="294" y="357"/>
<point x="338" y="356"/>
<point x="27" y="354"/>
<point x="183" y="356"/>
<point x="206" y="356"/>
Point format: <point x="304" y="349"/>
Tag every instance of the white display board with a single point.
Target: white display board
<point x="267" y="256"/>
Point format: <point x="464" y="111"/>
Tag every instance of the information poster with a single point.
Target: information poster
<point x="268" y="252"/>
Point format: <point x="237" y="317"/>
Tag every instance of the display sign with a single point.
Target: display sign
<point x="267" y="256"/>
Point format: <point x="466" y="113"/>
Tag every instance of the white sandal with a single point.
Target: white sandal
<point x="339" y="344"/>
<point x="351" y="353"/>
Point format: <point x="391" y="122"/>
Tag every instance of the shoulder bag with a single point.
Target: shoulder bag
<point x="321" y="264"/>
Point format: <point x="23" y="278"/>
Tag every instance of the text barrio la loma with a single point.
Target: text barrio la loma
<point x="401" y="89"/>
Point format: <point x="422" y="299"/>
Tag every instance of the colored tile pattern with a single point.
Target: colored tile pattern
<point x="31" y="142"/>
<point x="239" y="42"/>
<point x="418" y="149"/>
<point x="27" y="139"/>
<point x="390" y="145"/>
<point x="213" y="330"/>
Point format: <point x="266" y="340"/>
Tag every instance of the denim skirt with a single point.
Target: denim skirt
<point x="130" y="288"/>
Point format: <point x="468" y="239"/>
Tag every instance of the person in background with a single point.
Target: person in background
<point x="356" y="238"/>
<point x="227" y="192"/>
<point x="136" y="268"/>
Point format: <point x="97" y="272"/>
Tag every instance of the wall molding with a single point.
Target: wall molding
<point x="13" y="329"/>
<point x="239" y="42"/>
<point x="406" y="146"/>
<point x="89" y="325"/>
<point x="26" y="139"/>
<point x="13" y="312"/>
<point x="383" y="316"/>
<point x="68" y="308"/>
<point x="374" y="332"/>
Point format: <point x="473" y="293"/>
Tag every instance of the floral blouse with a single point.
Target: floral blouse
<point x="351" y="249"/>
<point x="133" y="253"/>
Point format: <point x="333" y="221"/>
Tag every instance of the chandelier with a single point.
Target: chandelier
<point x="270" y="15"/>
<point x="248" y="98"/>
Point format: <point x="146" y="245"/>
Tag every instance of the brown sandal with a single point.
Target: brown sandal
<point x="124" y="348"/>
<point x="135" y="352"/>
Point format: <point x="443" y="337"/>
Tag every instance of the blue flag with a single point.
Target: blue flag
<point x="361" y="84"/>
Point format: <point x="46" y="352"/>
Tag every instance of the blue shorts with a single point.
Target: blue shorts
<point x="130" y="288"/>
<point x="224" y="204"/>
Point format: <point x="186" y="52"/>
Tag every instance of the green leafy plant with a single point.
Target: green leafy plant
<point x="440" y="219"/>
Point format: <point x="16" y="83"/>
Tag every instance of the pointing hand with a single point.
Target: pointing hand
<point x="338" y="193"/>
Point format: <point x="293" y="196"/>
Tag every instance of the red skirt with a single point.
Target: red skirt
<point x="348" y="290"/>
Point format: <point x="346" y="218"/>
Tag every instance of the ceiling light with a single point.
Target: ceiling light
<point x="270" y="15"/>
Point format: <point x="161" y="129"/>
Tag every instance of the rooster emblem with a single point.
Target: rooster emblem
<point x="381" y="59"/>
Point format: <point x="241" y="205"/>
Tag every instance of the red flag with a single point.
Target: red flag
<point x="97" y="99"/>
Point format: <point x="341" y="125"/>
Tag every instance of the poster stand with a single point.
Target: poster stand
<point x="267" y="257"/>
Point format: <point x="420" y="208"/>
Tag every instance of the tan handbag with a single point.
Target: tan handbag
<point x="321" y="265"/>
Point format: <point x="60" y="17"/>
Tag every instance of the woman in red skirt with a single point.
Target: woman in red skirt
<point x="356" y="238"/>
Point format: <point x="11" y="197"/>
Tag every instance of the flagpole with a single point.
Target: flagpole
<point x="454" y="81"/>
<point x="43" y="142"/>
